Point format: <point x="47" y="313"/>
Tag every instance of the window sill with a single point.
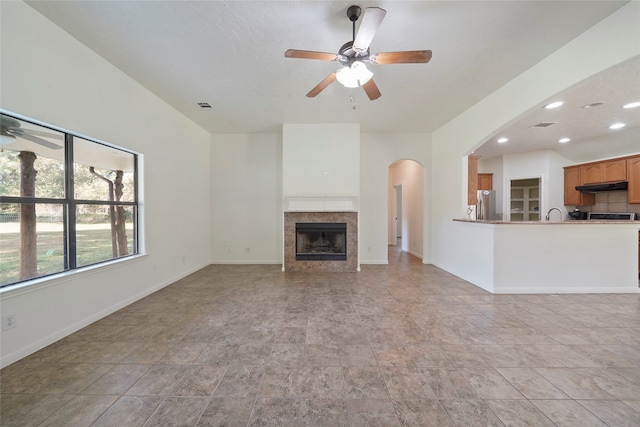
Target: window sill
<point x="39" y="283"/>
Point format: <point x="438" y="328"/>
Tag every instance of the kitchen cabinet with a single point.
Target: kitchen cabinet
<point x="472" y="180"/>
<point x="633" y="176"/>
<point x="605" y="171"/>
<point x="591" y="173"/>
<point x="615" y="170"/>
<point x="485" y="181"/>
<point x="573" y="197"/>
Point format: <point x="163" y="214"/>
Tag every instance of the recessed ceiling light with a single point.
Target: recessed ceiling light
<point x="593" y="104"/>
<point x="564" y="140"/>
<point x="553" y="105"/>
<point x="632" y="105"/>
<point x="502" y="140"/>
<point x="616" y="126"/>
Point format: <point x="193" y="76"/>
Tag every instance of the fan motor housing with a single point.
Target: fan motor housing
<point x="346" y="54"/>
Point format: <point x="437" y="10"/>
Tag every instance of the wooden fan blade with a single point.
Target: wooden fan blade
<point x="371" y="89"/>
<point x="21" y="134"/>
<point x="371" y="20"/>
<point x="322" y="85"/>
<point x="407" y="57"/>
<point x="310" y="54"/>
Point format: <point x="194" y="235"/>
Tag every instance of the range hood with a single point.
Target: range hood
<point x="607" y="186"/>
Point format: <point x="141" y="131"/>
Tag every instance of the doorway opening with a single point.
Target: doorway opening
<point x="406" y="206"/>
<point x="397" y="223"/>
<point x="524" y="199"/>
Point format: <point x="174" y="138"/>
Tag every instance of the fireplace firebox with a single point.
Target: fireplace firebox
<point x="321" y="241"/>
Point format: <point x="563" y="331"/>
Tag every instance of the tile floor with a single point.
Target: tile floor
<point x="403" y="344"/>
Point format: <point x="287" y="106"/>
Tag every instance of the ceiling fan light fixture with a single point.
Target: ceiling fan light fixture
<point x="355" y="75"/>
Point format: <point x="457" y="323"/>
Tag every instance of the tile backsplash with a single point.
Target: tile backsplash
<point x="614" y="201"/>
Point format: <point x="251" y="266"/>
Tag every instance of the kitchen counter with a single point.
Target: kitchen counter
<point x="572" y="256"/>
<point x="567" y="222"/>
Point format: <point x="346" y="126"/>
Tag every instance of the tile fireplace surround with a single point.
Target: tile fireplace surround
<point x="290" y="220"/>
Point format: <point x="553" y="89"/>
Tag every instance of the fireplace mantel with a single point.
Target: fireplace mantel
<point x="321" y="204"/>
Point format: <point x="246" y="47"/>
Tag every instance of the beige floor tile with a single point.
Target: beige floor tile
<point x="372" y="413"/>
<point x="226" y="412"/>
<point x="130" y="411"/>
<point x="567" y="413"/>
<point x="177" y="411"/>
<point x="519" y="412"/>
<point x="531" y="384"/>
<point x="470" y="413"/>
<point x="398" y="344"/>
<point x="421" y="413"/>
<point x="80" y="411"/>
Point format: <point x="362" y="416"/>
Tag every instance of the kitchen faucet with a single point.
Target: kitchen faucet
<point x="546" y="218"/>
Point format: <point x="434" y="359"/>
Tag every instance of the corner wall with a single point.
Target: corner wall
<point x="378" y="152"/>
<point x="49" y="76"/>
<point x="614" y="40"/>
<point x="246" y="199"/>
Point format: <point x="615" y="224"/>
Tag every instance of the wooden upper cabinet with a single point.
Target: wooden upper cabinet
<point x="633" y="176"/>
<point x="621" y="169"/>
<point x="615" y="170"/>
<point x="573" y="197"/>
<point x="605" y="171"/>
<point x="592" y="173"/>
<point x="485" y="181"/>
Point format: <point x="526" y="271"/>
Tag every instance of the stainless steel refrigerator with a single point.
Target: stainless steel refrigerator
<point x="486" y="207"/>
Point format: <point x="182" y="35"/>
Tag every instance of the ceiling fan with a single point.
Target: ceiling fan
<point x="10" y="129"/>
<point x="353" y="55"/>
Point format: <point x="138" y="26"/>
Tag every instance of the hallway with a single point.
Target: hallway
<point x="403" y="344"/>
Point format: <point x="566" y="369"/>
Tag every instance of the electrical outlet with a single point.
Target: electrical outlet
<point x="8" y="322"/>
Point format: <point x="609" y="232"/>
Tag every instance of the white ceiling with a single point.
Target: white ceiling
<point x="231" y="55"/>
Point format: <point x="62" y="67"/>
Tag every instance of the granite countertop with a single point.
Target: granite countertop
<point x="572" y="221"/>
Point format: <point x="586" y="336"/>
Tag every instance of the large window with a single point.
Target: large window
<point x="65" y="201"/>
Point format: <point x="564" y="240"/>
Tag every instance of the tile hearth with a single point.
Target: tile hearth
<point x="404" y="344"/>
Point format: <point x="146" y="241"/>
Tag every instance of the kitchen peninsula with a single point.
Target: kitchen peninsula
<point x="553" y="257"/>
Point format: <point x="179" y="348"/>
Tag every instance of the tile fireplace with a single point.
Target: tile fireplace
<point x="321" y="241"/>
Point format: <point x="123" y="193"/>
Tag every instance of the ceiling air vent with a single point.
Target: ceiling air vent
<point x="543" y="124"/>
<point x="204" y="105"/>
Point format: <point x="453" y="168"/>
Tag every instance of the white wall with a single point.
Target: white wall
<point x="246" y="194"/>
<point x="614" y="40"/>
<point x="48" y="75"/>
<point x="378" y="152"/>
<point x="246" y="198"/>
<point x="544" y="164"/>
<point x="321" y="160"/>
<point x="561" y="258"/>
